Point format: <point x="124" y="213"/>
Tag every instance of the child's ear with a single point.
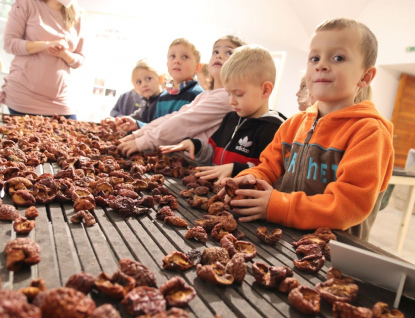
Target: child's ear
<point x="267" y="88"/>
<point x="367" y="77"/>
<point x="198" y="67"/>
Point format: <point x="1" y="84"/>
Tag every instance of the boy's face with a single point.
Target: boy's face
<point x="335" y="67"/>
<point x="222" y="51"/>
<point x="303" y="96"/>
<point x="181" y="63"/>
<point x="246" y="98"/>
<point x="146" y="83"/>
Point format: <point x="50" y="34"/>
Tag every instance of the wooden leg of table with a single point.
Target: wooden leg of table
<point x="406" y="217"/>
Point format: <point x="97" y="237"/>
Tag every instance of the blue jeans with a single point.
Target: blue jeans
<point x="13" y="112"/>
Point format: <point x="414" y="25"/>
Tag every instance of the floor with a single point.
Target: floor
<point x="385" y="231"/>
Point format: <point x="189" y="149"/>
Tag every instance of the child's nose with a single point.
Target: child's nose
<point x="321" y="66"/>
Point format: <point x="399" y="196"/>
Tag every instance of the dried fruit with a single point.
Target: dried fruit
<point x="144" y="300"/>
<point x="87" y="216"/>
<point x="305" y="300"/>
<point x="142" y="275"/>
<point x="381" y="310"/>
<point x="82" y="282"/>
<point x="271" y="276"/>
<point x="176" y="221"/>
<point x="23" y="226"/>
<point x="21" y="251"/>
<point x="164" y="212"/>
<point x="337" y="290"/>
<point x="310" y="264"/>
<point x="116" y="286"/>
<point x="198" y="233"/>
<point x="105" y="311"/>
<point x="270" y="239"/>
<point x="325" y="234"/>
<point x="288" y="284"/>
<point x="211" y="255"/>
<point x="31" y="213"/>
<point x="66" y="302"/>
<point x="177" y="292"/>
<point x="8" y="212"/>
<point x="177" y="261"/>
<point x="214" y="274"/>
<point x="237" y="268"/>
<point x="35" y="288"/>
<point x="18" y="309"/>
<point x="23" y="198"/>
<point x="345" y="310"/>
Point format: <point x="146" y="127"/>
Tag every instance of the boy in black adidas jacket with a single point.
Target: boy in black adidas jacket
<point x="248" y="77"/>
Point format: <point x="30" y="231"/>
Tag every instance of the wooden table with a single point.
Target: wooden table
<point x="403" y="178"/>
<point x="68" y="248"/>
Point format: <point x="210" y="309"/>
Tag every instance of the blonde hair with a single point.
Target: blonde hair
<point x="185" y="42"/>
<point x="70" y="15"/>
<point x="251" y="62"/>
<point x="368" y="42"/>
<point x="147" y="65"/>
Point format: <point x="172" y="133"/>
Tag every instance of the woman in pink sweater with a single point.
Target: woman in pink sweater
<point x="45" y="37"/>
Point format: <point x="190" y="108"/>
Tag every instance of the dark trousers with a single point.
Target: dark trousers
<point x="13" y="112"/>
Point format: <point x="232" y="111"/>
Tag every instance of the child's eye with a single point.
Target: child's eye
<point x="215" y="52"/>
<point x="185" y="57"/>
<point x="138" y="82"/>
<point x="338" y="58"/>
<point x="148" y="79"/>
<point x="172" y="56"/>
<point x="304" y="87"/>
<point x="229" y="52"/>
<point x="314" y="59"/>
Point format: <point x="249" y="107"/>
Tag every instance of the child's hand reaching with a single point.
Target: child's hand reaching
<point x="215" y="172"/>
<point x="127" y="148"/>
<point x="126" y="124"/>
<point x="185" y="145"/>
<point x="256" y="206"/>
<point x="107" y="120"/>
<point x="127" y="138"/>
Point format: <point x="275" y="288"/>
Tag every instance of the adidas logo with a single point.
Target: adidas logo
<point x="243" y="144"/>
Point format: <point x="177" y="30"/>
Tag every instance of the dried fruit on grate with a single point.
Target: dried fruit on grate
<point x="214" y="274"/>
<point x="177" y="261"/>
<point x="82" y="282"/>
<point x="144" y="300"/>
<point x="122" y="205"/>
<point x="336" y="273"/>
<point x="246" y="248"/>
<point x="15" y="308"/>
<point x="211" y="255"/>
<point x="325" y="234"/>
<point x="116" y="286"/>
<point x="305" y="300"/>
<point x="105" y="311"/>
<point x="288" y="284"/>
<point x="23" y="198"/>
<point x="177" y="292"/>
<point x="31" y="213"/>
<point x="187" y="193"/>
<point x="218" y="232"/>
<point x="21" y="251"/>
<point x="345" y="310"/>
<point x="270" y="239"/>
<point x="85" y="215"/>
<point x="271" y="276"/>
<point x="230" y="188"/>
<point x="169" y="200"/>
<point x="164" y="212"/>
<point x="337" y="290"/>
<point x="310" y="239"/>
<point x="23" y="226"/>
<point x="17" y="183"/>
<point x="8" y="212"/>
<point x="201" y="191"/>
<point x="310" y="264"/>
<point x="66" y="302"/>
<point x="142" y="275"/>
<point x="381" y="310"/>
<point x="308" y="249"/>
<point x="194" y="255"/>
<point x="237" y="268"/>
<point x="198" y="233"/>
<point x="35" y="288"/>
<point x="175" y="221"/>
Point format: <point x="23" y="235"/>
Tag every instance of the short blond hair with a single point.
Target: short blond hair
<point x="145" y="64"/>
<point x="251" y="62"/>
<point x="187" y="43"/>
<point x="368" y="42"/>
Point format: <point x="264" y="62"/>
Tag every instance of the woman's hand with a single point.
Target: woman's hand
<point x="256" y="206"/>
<point x="128" y="148"/>
<point x="215" y="172"/>
<point x="57" y="47"/>
<point x="126" y="124"/>
<point x="185" y="145"/>
<point x="107" y="120"/>
<point x="127" y="138"/>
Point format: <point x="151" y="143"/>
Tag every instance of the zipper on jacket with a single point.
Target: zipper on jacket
<point x="233" y="135"/>
<point x="307" y="140"/>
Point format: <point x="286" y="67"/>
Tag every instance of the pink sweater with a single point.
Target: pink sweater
<point x="37" y="83"/>
<point x="199" y="119"/>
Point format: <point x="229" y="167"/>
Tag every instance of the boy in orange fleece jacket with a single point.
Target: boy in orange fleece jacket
<point x="331" y="164"/>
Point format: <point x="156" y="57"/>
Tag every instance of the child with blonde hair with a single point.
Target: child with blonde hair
<point x="331" y="164"/>
<point x="198" y="119"/>
<point x="248" y="77"/>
